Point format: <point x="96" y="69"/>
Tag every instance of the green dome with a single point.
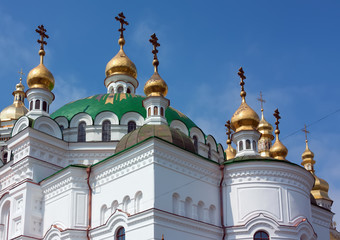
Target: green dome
<point x="119" y="103"/>
<point x="164" y="132"/>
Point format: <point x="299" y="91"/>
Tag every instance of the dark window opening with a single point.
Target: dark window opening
<point x="149" y="112"/>
<point x="195" y="143"/>
<point x="247" y="144"/>
<point x="155" y="111"/>
<point x="254" y="145"/>
<point x="120" y="235"/>
<point x="128" y="90"/>
<point x="120" y="89"/>
<point x="261" y="235"/>
<point x="162" y="111"/>
<point x="240" y="146"/>
<point x="31" y="105"/>
<point x="37" y="104"/>
<point x="82" y="132"/>
<point x="106" y="131"/>
<point x="44" y="106"/>
<point x="131" y="126"/>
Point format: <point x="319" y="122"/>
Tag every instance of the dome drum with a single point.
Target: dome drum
<point x="128" y="83"/>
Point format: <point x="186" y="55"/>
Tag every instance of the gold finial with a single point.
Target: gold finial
<point x="21" y="74"/>
<point x="230" y="151"/>
<point x="154" y="42"/>
<point x="278" y="150"/>
<point x="162" y="236"/>
<point x="42" y="32"/>
<point x="243" y="93"/>
<point x="121" y="19"/>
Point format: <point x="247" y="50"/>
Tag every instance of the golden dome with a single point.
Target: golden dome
<point x="13" y="112"/>
<point x="245" y="118"/>
<point x="121" y="64"/>
<point x="308" y="159"/>
<point x="265" y="141"/>
<point x="155" y="86"/>
<point x="40" y="76"/>
<point x="320" y="189"/>
<point x="278" y="150"/>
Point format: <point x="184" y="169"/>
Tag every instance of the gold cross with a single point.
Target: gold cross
<point x="42" y="31"/>
<point x="305" y="131"/>
<point x="229" y="127"/>
<point x="261" y="100"/>
<point x="241" y="74"/>
<point x="277" y="116"/>
<point x="121" y="18"/>
<point x="21" y="74"/>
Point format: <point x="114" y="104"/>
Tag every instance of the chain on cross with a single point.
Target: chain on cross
<point x="121" y="19"/>
<point x="42" y="32"/>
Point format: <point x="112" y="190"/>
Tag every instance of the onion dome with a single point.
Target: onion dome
<point x="308" y="159"/>
<point x="164" y="132"/>
<point x="265" y="141"/>
<point x="155" y="86"/>
<point x="40" y="76"/>
<point x="230" y="152"/>
<point x="17" y="109"/>
<point x="278" y="150"/>
<point x="121" y="64"/>
<point x="245" y="118"/>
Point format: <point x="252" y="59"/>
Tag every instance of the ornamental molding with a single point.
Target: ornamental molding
<point x="267" y="174"/>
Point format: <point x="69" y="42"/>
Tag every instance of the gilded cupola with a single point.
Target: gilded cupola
<point x="17" y="109"/>
<point x="245" y="118"/>
<point x="40" y="76"/>
<point x="155" y="86"/>
<point x="121" y="64"/>
<point x="321" y="187"/>
<point x="266" y="130"/>
<point x="230" y="152"/>
<point x="278" y="150"/>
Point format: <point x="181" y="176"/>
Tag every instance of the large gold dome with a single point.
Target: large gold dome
<point x="13" y="112"/>
<point x="121" y="64"/>
<point x="155" y="86"/>
<point x="40" y="77"/>
<point x="245" y="118"/>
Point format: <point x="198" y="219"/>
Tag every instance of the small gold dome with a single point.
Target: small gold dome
<point x="230" y="152"/>
<point x="19" y="87"/>
<point x="155" y="86"/>
<point x="121" y="64"/>
<point x="320" y="189"/>
<point x="278" y="150"/>
<point x="308" y="159"/>
<point x="13" y="112"/>
<point x="40" y="76"/>
<point x="265" y="128"/>
<point x="245" y="118"/>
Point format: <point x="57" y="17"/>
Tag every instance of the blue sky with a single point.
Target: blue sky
<point x="289" y="50"/>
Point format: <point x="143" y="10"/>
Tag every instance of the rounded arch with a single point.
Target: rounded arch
<point x="79" y="118"/>
<point x="200" y="210"/>
<point x="195" y="131"/>
<point x="101" y="117"/>
<point x="22" y="123"/>
<point x="62" y="121"/>
<point x="126" y="204"/>
<point x="132" y="116"/>
<point x="220" y="150"/>
<point x="211" y="140"/>
<point x="212" y="214"/>
<point x="114" y="206"/>
<point x="177" y="124"/>
<point x="48" y="126"/>
<point x="103" y="211"/>
<point x="188" y="207"/>
<point x="175" y="203"/>
<point x="138" y="199"/>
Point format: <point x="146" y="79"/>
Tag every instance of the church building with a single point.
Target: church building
<point x="120" y="166"/>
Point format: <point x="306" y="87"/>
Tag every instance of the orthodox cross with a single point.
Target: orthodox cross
<point x="42" y="31"/>
<point x="121" y="18"/>
<point x="154" y="42"/>
<point x="21" y="74"/>
<point x="305" y="131"/>
<point x="277" y="116"/>
<point x="241" y="74"/>
<point x="260" y="99"/>
<point x="229" y="127"/>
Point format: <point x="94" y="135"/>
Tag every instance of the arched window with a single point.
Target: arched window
<point x="149" y="112"/>
<point x="212" y="214"/>
<point x="4" y="220"/>
<point x="120" y="235"/>
<point x="138" y="199"/>
<point x="128" y="90"/>
<point x="195" y="143"/>
<point x="44" y="106"/>
<point x="200" y="210"/>
<point x="102" y="214"/>
<point x="240" y="145"/>
<point x="162" y="111"/>
<point x="261" y="235"/>
<point x="188" y="207"/>
<point x="31" y="105"/>
<point x="37" y="104"/>
<point x="155" y="110"/>
<point x="175" y="203"/>
<point x="82" y="132"/>
<point x="131" y="126"/>
<point x="209" y="151"/>
<point x="120" y="89"/>
<point x="5" y="157"/>
<point x="254" y="145"/>
<point x="106" y="131"/>
<point x="247" y="144"/>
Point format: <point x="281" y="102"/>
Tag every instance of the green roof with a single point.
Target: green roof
<point x="119" y="103"/>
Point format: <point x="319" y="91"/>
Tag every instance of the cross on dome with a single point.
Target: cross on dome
<point x="154" y="42"/>
<point x="243" y="77"/>
<point x="228" y="127"/>
<point x="42" y="32"/>
<point x="305" y="131"/>
<point x="260" y="99"/>
<point x="277" y="116"/>
<point x="21" y="74"/>
<point x="121" y="19"/>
